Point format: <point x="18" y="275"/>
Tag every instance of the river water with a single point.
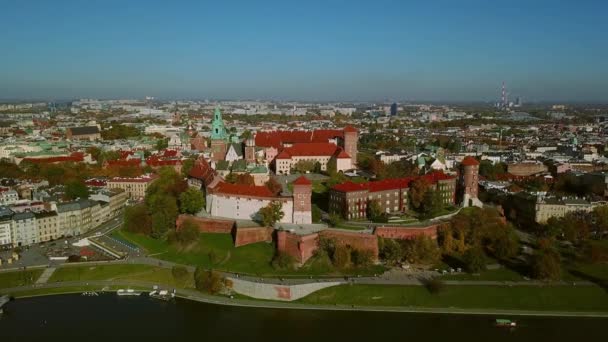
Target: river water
<point x="112" y="318"/>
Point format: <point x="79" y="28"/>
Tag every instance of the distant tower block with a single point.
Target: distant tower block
<point x="250" y="150"/>
<point x="302" y="207"/>
<point x="469" y="182"/>
<point x="351" y="136"/>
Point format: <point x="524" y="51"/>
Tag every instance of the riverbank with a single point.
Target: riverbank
<point x="305" y="304"/>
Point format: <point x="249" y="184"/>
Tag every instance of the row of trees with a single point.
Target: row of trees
<point x="577" y="227"/>
<point x="342" y="256"/>
<point x="418" y="250"/>
<point x="475" y="233"/>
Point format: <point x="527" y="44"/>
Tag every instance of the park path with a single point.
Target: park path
<point x="44" y="277"/>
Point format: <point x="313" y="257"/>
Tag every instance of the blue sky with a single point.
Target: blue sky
<point x="310" y="50"/>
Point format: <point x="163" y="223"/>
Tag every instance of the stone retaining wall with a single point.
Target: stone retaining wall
<point x="275" y="291"/>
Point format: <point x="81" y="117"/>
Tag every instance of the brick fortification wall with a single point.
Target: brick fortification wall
<point x="207" y="225"/>
<point x="359" y="241"/>
<point x="403" y="233"/>
<point x="300" y="247"/>
<point x="245" y="236"/>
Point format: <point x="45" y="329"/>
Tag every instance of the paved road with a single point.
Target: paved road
<point x="201" y="297"/>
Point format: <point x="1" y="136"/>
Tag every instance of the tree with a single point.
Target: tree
<point x="390" y="250"/>
<point x="421" y="250"/>
<point x="335" y="219"/>
<point x="76" y="189"/>
<point x="506" y="245"/>
<point x="600" y="215"/>
<point x="374" y="211"/>
<point x="274" y="186"/>
<point x="362" y="258"/>
<point x="246" y="134"/>
<point x="186" y="234"/>
<point x="341" y="257"/>
<point x="208" y="281"/>
<point x="191" y="201"/>
<point x="316" y="214"/>
<point x="180" y="273"/>
<point x="432" y="203"/>
<point x="162" y="144"/>
<point x="137" y="219"/>
<point x="418" y="190"/>
<point x="546" y="265"/>
<point x="474" y="260"/>
<point x="304" y="166"/>
<point x="187" y="166"/>
<point x="271" y="214"/>
<point x="163" y="210"/>
<point x="283" y="261"/>
<point x="95" y="152"/>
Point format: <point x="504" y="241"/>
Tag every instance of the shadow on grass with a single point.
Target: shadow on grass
<point x="598" y="281"/>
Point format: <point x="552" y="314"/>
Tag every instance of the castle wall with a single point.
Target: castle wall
<point x="246" y="236"/>
<point x="404" y="233"/>
<point x="359" y="241"/>
<point x="207" y="225"/>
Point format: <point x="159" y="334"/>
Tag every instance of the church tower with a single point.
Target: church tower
<point x="219" y="137"/>
<point x="250" y="150"/>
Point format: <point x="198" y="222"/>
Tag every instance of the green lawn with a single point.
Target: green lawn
<point x="349" y="226"/>
<point x="554" y="298"/>
<point x="501" y="274"/>
<point x="217" y="251"/>
<point x="597" y="272"/>
<point x="19" y="278"/>
<point x="159" y="275"/>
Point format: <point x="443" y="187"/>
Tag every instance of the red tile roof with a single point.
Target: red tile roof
<point x="276" y="139"/>
<point x="95" y="182"/>
<point x="243" y="190"/>
<point x="283" y="155"/>
<point x="302" y="181"/>
<point x="152" y="161"/>
<point x="124" y="162"/>
<point x="75" y="157"/>
<point x="343" y="155"/>
<point x="311" y="149"/>
<point x="469" y="161"/>
<point x="389" y="184"/>
<point x="203" y="171"/>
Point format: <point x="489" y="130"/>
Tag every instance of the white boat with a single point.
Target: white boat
<point x="127" y="292"/>
<point x="162" y="294"/>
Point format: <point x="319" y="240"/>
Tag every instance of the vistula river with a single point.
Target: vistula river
<point x="112" y="318"/>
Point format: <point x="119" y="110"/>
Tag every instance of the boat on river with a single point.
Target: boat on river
<point x="501" y="322"/>
<point x="162" y="294"/>
<point x="127" y="292"/>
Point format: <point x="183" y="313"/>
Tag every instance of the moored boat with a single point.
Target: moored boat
<point x="127" y="292"/>
<point x="501" y="322"/>
<point x="162" y="294"/>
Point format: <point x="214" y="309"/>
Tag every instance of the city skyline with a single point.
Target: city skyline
<point x="311" y="52"/>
